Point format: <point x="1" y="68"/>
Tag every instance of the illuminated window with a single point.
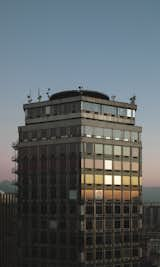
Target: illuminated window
<point x="89" y="163"/>
<point x="134" y="180"/>
<point x="126" y="165"/>
<point x="98" y="148"/>
<point x="107" y="133"/>
<point x="108" y="179"/>
<point x="134" y="195"/>
<point x="126" y="151"/>
<point x="117" y="180"/>
<point x="98" y="164"/>
<point x="98" y="179"/>
<point x="126" y="180"/>
<point x="108" y="195"/>
<point x="117" y="150"/>
<point x="135" y="166"/>
<point x="98" y="194"/>
<point x="108" y="149"/>
<point x="126" y="195"/>
<point x="108" y="164"/>
<point x="89" y="179"/>
<point x="117" y="165"/>
<point x="117" y="195"/>
<point x="89" y="194"/>
<point x="129" y="113"/>
<point x="135" y="152"/>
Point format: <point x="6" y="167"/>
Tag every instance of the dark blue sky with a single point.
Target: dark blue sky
<point x="112" y="46"/>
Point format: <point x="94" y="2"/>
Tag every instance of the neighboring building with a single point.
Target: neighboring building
<point x="79" y="179"/>
<point x="8" y="230"/>
<point x="151" y="234"/>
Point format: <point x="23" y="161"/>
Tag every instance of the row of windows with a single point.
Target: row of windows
<point x="108" y="110"/>
<point x="89" y="209"/>
<point x="123" y="135"/>
<point x="99" y="179"/>
<point x="106" y="194"/>
<point x="110" y="165"/>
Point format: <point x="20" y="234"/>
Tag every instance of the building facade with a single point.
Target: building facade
<point x="8" y="230"/>
<point x="80" y="185"/>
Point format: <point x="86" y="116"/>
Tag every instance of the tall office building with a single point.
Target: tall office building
<point x="79" y="178"/>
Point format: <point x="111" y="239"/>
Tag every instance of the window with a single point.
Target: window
<point x="89" y="179"/>
<point x="117" y="165"/>
<point x="99" y="179"/>
<point x="108" y="149"/>
<point x="135" y="152"/>
<point x="134" y="137"/>
<point x="89" y="163"/>
<point x="108" y="195"/>
<point x="126" y="165"/>
<point x="88" y="131"/>
<point x="109" y="110"/>
<point x="117" y="150"/>
<point x="126" y="151"/>
<point x="122" y="112"/>
<point x="98" y="149"/>
<point x="108" y="164"/>
<point x="117" y="134"/>
<point x="126" y="195"/>
<point x="98" y="194"/>
<point x="126" y="136"/>
<point x="98" y="164"/>
<point x="135" y="166"/>
<point x="117" y="180"/>
<point x="134" y="180"/>
<point x="98" y="132"/>
<point x="89" y="148"/>
<point x="107" y="133"/>
<point x="117" y="195"/>
<point x="72" y="194"/>
<point x="89" y="194"/>
<point x="126" y="180"/>
<point x="129" y="113"/>
<point x="108" y="179"/>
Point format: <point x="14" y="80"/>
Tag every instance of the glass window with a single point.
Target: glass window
<point x="117" y="165"/>
<point x="108" y="149"/>
<point x="108" y="194"/>
<point x="98" y="132"/>
<point x="98" y="194"/>
<point x="140" y="182"/>
<point x="126" y="151"/>
<point x="98" y="179"/>
<point x="117" y="194"/>
<point x="108" y="179"/>
<point x="89" y="163"/>
<point x="134" y="137"/>
<point x="126" y="180"/>
<point x="109" y="110"/>
<point x="89" y="194"/>
<point x="133" y="113"/>
<point x="108" y="164"/>
<point x="89" y="179"/>
<point x="134" y="180"/>
<point x="122" y="111"/>
<point x="89" y="148"/>
<point x="135" y="152"/>
<point x="117" y="180"/>
<point x="98" y="148"/>
<point x="126" y="136"/>
<point x="107" y="133"/>
<point x="126" y="195"/>
<point x="88" y="131"/>
<point x="126" y="165"/>
<point x="129" y="113"/>
<point x="117" y="150"/>
<point x="134" y="195"/>
<point x="117" y="134"/>
<point x="92" y="107"/>
<point x="98" y="164"/>
<point x="82" y="178"/>
<point x="73" y="194"/>
<point x="135" y="166"/>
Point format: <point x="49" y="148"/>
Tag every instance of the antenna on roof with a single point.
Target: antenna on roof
<point x="29" y="97"/>
<point x="48" y="93"/>
<point x="133" y="99"/>
<point x="113" y="97"/>
<point x="39" y="95"/>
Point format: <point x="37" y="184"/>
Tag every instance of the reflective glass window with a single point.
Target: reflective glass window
<point x="73" y="194"/>
<point x="122" y="111"/>
<point x="98" y="148"/>
<point x="98" y="194"/>
<point x="92" y="107"/>
<point x="117" y="180"/>
<point x="89" y="194"/>
<point x="98" y="164"/>
<point x="108" y="179"/>
<point x="126" y="180"/>
<point x="135" y="166"/>
<point x="135" y="152"/>
<point x="98" y="179"/>
<point x="89" y="148"/>
<point x="108" y="149"/>
<point x="126" y="151"/>
<point x="88" y="131"/>
<point x="126" y="165"/>
<point x="98" y="132"/>
<point x="135" y="195"/>
<point x="129" y="113"/>
<point x="108" y="194"/>
<point x="134" y="137"/>
<point x="117" y="134"/>
<point x="108" y="164"/>
<point x="126" y="136"/>
<point x="117" y="165"/>
<point x="109" y="110"/>
<point x="117" y="150"/>
<point x="126" y="195"/>
<point x="117" y="194"/>
<point x="89" y="179"/>
<point x="89" y="163"/>
<point x="107" y="133"/>
<point x="134" y="180"/>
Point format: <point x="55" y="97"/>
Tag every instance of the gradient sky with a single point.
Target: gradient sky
<point x="108" y="45"/>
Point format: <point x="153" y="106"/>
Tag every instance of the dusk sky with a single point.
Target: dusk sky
<point x="108" y="45"/>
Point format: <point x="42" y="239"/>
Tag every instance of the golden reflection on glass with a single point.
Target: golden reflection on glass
<point x="134" y="195"/>
<point x="89" y="179"/>
<point x="117" y="195"/>
<point x="126" y="180"/>
<point x="89" y="194"/>
<point x="134" y="180"/>
<point x="98" y="179"/>
<point x="108" y="195"/>
<point x="126" y="195"/>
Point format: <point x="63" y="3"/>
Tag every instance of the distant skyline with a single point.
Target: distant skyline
<point x="110" y="46"/>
